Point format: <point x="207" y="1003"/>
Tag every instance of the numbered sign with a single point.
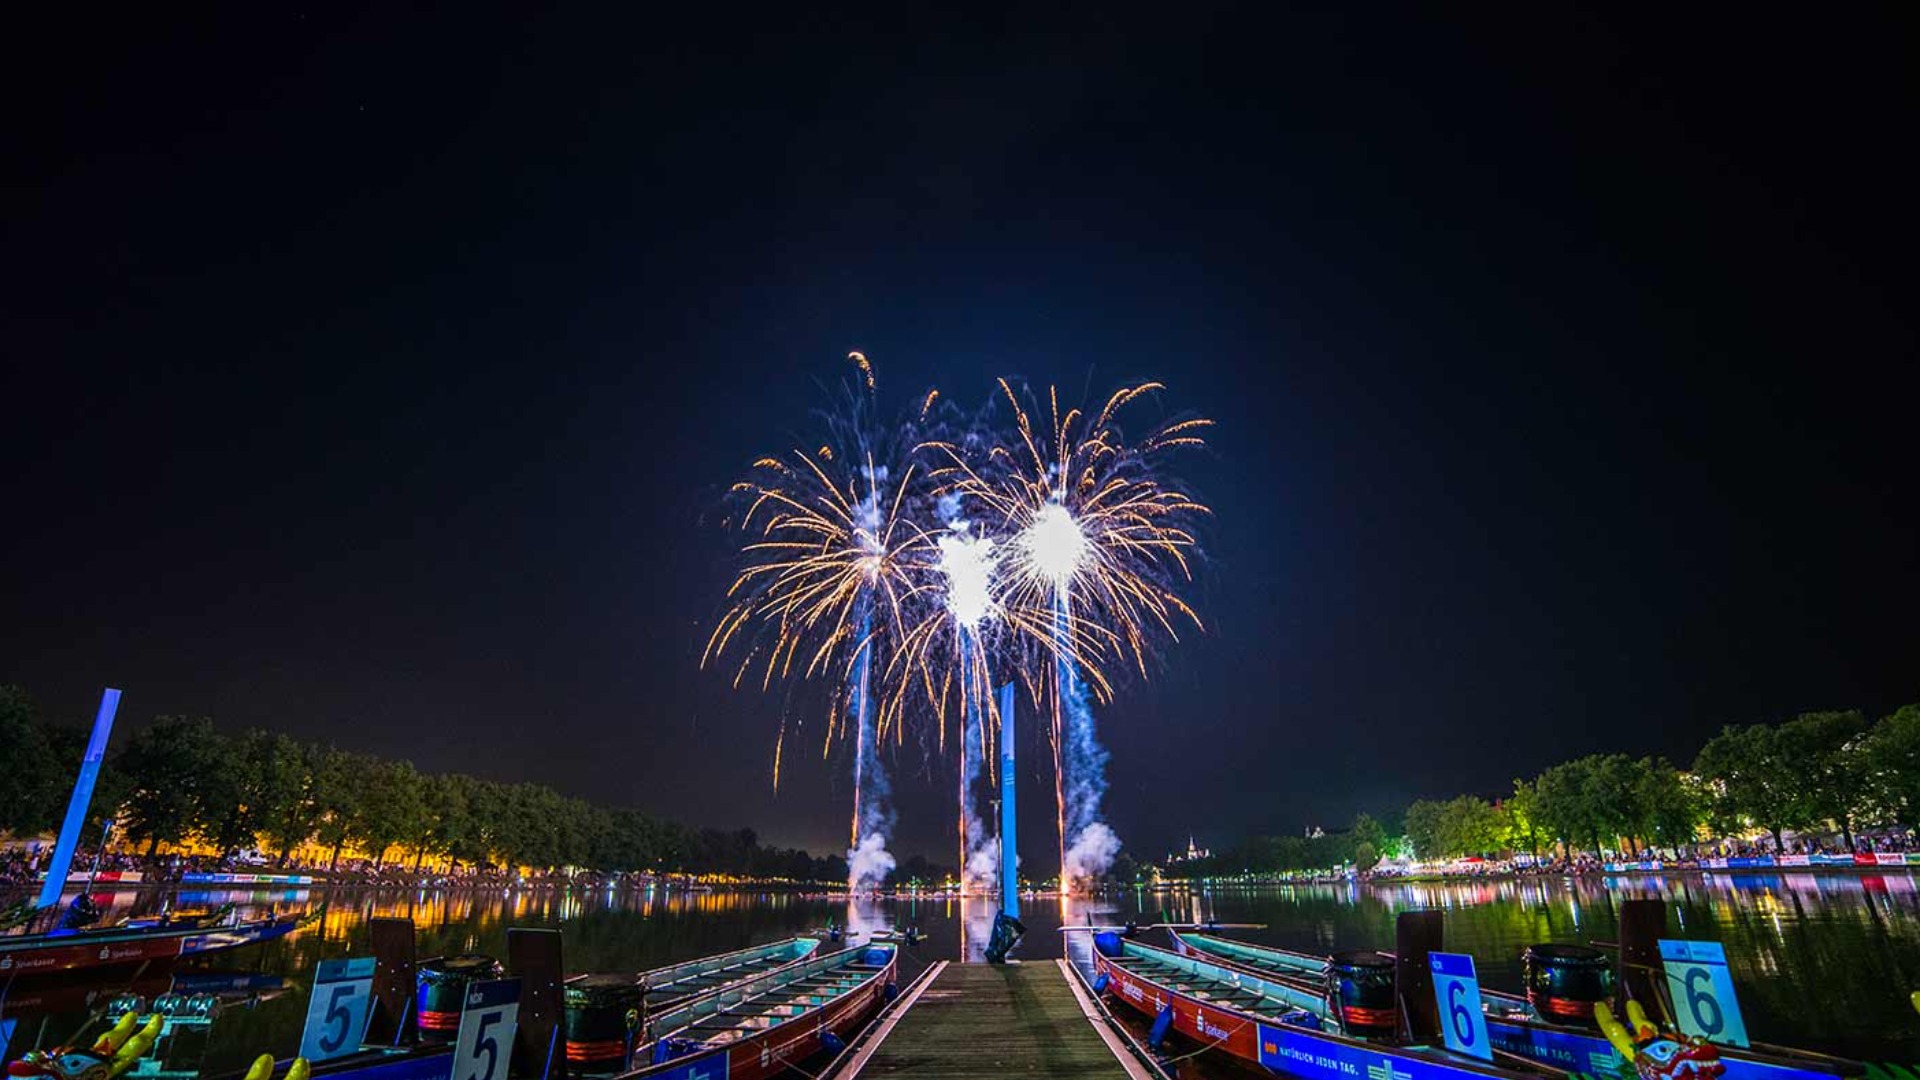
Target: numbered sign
<point x="488" y="1018"/>
<point x="1702" y="991"/>
<point x="1457" y="989"/>
<point x="338" y="1010"/>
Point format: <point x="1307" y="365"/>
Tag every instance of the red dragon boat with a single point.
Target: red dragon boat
<point x="1267" y="1023"/>
<point x="760" y="1028"/>
<point x="141" y="943"/>
<point x="1553" y="1023"/>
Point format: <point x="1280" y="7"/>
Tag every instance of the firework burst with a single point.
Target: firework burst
<point x="821" y="593"/>
<point x="1099" y="547"/>
<point x="911" y="569"/>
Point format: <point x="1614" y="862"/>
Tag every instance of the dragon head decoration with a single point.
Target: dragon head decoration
<point x="1656" y="1054"/>
<point x="111" y="1054"/>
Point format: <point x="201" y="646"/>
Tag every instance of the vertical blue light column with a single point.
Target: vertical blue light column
<point x="82" y="796"/>
<point x="863" y="722"/>
<point x="1009" y="858"/>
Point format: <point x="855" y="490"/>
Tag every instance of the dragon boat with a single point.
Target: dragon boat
<point x="142" y="942"/>
<point x="1272" y="1024"/>
<point x="1569" y="1016"/>
<point x="759" y="1028"/>
<point x="605" y="1013"/>
<point x="768" y="1004"/>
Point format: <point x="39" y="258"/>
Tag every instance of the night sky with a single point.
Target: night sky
<point x="375" y="378"/>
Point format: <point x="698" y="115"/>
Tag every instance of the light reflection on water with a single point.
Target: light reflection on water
<point x="1823" y="961"/>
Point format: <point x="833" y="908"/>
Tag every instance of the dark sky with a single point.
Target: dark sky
<point x="371" y="377"/>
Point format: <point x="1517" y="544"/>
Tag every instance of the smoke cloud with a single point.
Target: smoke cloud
<point x="979" y="875"/>
<point x="1091" y="843"/>
<point x="983" y="867"/>
<point x="869" y="864"/>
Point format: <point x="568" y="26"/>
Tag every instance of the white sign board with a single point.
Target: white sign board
<point x="1702" y="991"/>
<point x="488" y="1017"/>
<point x="1456" y="988"/>
<point x="338" y="1008"/>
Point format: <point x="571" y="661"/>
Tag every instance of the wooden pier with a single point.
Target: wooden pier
<point x="972" y="1020"/>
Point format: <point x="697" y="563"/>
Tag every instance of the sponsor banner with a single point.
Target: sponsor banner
<point x="427" y="1066"/>
<point x="69" y="957"/>
<point x="1831" y="860"/>
<point x="246" y="879"/>
<point x="1890" y="858"/>
<point x="1864" y="860"/>
<point x="104" y="877"/>
<point x="1751" y="862"/>
<point x="710" y="1067"/>
<point x="1572" y="1051"/>
<point x="1715" y="864"/>
<point x="1643" y="866"/>
<point x="1298" y="1053"/>
<point x="1795" y="860"/>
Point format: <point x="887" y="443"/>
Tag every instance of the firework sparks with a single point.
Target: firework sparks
<point x="1056" y="554"/>
<point x="821" y="594"/>
<point x="1099" y="544"/>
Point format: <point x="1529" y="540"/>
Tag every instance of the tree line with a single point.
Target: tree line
<point x="1822" y="773"/>
<point x="1819" y="772"/>
<point x="182" y="780"/>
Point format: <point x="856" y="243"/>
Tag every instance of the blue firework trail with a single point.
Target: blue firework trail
<point x="1067" y="576"/>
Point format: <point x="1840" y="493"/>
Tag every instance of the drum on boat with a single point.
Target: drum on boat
<point x="603" y="1012"/>
<point x="443" y="987"/>
<point x="1565" y="981"/>
<point x="1360" y="987"/>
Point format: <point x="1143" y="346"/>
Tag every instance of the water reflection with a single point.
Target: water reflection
<point x="1822" y="961"/>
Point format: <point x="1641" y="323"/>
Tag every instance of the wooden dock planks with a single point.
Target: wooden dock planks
<point x="978" y="1020"/>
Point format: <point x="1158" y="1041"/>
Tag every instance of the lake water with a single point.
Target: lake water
<point x="1820" y="961"/>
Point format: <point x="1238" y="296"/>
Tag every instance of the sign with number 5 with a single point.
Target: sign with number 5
<point x="337" y="1010"/>
<point x="1702" y="991"/>
<point x="488" y="1017"/>
<point x="1457" y="989"/>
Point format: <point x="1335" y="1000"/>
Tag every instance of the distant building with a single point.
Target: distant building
<point x="1194" y="851"/>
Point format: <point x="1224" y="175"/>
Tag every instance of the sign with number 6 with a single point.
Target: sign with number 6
<point x="1463" y="1026"/>
<point x="489" y="1014"/>
<point x="337" y="1010"/>
<point x="1702" y="991"/>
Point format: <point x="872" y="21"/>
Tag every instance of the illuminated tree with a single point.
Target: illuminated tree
<point x="1828" y="784"/>
<point x="1890" y="766"/>
<point x="1754" y="781"/>
<point x="170" y="766"/>
<point x="31" y="799"/>
<point x="1523" y="831"/>
<point x="284" y="771"/>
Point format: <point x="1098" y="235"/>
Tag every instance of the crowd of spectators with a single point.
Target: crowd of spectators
<point x="21" y="867"/>
<point x="1692" y="858"/>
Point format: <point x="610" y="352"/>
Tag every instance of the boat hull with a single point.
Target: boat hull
<point x="77" y="954"/>
<point x="106" y="949"/>
<point x="1278" y="1048"/>
<point x="774" y="1052"/>
<point x="233" y="937"/>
